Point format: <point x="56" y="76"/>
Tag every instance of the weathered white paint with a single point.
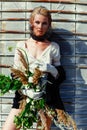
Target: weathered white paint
<point x="72" y="27"/>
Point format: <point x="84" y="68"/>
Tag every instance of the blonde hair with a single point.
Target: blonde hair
<point x="40" y="10"/>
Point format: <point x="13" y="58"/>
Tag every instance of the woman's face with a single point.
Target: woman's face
<point x="40" y="25"/>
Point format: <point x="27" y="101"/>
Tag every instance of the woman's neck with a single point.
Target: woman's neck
<point x="38" y="38"/>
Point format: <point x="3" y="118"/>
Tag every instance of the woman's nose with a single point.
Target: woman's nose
<point x="40" y="25"/>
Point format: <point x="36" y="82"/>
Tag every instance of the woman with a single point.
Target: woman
<point x="45" y="54"/>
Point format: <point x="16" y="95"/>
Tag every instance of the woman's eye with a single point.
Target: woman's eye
<point x="37" y="22"/>
<point x="44" y="23"/>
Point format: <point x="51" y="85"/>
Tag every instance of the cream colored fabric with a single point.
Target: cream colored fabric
<point x="49" y="58"/>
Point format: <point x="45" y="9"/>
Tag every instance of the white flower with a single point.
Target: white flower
<point x="24" y="86"/>
<point x="37" y="88"/>
<point x="10" y="91"/>
<point x="30" y="80"/>
<point x="27" y="100"/>
<point x="30" y="93"/>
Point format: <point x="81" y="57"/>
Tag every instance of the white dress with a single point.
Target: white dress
<point x="51" y="56"/>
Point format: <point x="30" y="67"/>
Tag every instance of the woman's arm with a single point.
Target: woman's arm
<point x="62" y="75"/>
<point x="60" y="78"/>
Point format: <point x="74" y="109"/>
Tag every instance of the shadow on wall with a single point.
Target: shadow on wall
<point x="73" y="51"/>
<point x="73" y="91"/>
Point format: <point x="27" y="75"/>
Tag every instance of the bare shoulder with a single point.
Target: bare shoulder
<point x="21" y="43"/>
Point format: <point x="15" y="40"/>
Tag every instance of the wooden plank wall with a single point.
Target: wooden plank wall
<point x="69" y="22"/>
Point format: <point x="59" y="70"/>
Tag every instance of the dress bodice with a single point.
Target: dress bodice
<point x="50" y="55"/>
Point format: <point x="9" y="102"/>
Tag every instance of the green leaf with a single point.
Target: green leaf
<point x="10" y="48"/>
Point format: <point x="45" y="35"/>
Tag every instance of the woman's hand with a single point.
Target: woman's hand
<point x="44" y="67"/>
<point x="32" y="94"/>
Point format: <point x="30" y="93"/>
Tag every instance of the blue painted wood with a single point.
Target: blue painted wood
<point x="73" y="51"/>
